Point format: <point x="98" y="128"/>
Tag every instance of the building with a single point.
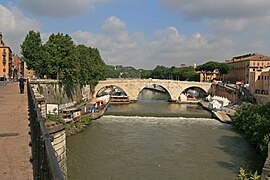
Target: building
<point x="16" y="68"/>
<point x="27" y="73"/>
<point x="259" y="85"/>
<point x="243" y="65"/>
<point x="6" y="63"/>
<point x="209" y="76"/>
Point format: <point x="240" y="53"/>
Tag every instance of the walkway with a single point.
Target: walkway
<point x="14" y="139"/>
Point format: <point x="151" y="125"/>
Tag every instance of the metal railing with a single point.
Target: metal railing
<point x="44" y="160"/>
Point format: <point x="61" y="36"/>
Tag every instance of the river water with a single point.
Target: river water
<point x="155" y="140"/>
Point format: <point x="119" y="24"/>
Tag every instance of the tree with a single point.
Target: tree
<point x="62" y="62"/>
<point x="98" y="71"/>
<point x="160" y="72"/>
<point x="253" y="121"/>
<point x="33" y="53"/>
<point x="210" y="66"/>
<point x="145" y="73"/>
<point x="224" y="68"/>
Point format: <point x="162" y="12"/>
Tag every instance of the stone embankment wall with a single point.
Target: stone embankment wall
<point x="224" y="91"/>
<point x="55" y="92"/>
<point x="52" y="91"/>
<point x="57" y="131"/>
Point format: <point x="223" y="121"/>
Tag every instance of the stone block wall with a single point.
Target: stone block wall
<point x="57" y="131"/>
<point x="266" y="167"/>
<point x="59" y="144"/>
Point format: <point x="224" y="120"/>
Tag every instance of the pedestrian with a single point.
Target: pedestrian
<point x="21" y="85"/>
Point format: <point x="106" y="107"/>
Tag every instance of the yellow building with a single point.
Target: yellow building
<point x="243" y="65"/>
<point x="209" y="76"/>
<point x="259" y="85"/>
<point x="6" y="63"/>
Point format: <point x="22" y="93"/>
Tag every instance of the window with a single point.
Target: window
<point x="259" y="78"/>
<point x="4" y="70"/>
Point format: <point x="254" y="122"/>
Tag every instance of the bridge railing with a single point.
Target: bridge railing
<point x="44" y="160"/>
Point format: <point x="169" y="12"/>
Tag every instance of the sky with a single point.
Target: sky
<point x="145" y="33"/>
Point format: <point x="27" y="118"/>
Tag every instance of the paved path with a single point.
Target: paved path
<point x="14" y="149"/>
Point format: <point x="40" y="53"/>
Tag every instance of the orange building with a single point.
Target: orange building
<point x="6" y="63"/>
<point x="243" y="65"/>
<point x="259" y="85"/>
<point x="16" y="62"/>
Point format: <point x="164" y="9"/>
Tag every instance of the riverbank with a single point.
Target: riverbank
<point x="75" y="128"/>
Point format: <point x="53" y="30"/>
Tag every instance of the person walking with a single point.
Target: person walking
<point x="21" y="85"/>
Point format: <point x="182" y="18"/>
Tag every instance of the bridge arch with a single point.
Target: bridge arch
<point x="103" y="90"/>
<point x="144" y="86"/>
<point x="100" y="88"/>
<point x="197" y="87"/>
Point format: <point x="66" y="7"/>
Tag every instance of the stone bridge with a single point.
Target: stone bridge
<point x="133" y="87"/>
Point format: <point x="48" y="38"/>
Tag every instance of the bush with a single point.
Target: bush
<point x="253" y="121"/>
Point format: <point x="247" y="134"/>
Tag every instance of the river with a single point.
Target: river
<point x="156" y="140"/>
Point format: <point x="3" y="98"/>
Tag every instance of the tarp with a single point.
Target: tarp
<point x="215" y="105"/>
<point x="103" y="99"/>
<point x="193" y="93"/>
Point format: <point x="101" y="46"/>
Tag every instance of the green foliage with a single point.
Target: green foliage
<point x="146" y="74"/>
<point x="54" y="118"/>
<point x="85" y="121"/>
<point x="92" y="68"/>
<point x="182" y="73"/>
<point x="223" y="68"/>
<point x="33" y="53"/>
<point x="61" y="59"/>
<point x="161" y="72"/>
<point x="253" y="121"/>
<point x="40" y="89"/>
<point x="69" y="126"/>
<point x="243" y="175"/>
<point x="82" y="123"/>
<point x="122" y="72"/>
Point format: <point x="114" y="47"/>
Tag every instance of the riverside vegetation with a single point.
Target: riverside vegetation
<point x="71" y="128"/>
<point x="253" y="122"/>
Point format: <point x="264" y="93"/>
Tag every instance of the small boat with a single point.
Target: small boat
<point x="70" y="114"/>
<point x="222" y="116"/>
<point x="98" y="109"/>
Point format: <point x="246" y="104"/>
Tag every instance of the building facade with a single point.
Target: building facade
<point x="259" y="85"/>
<point x="209" y="76"/>
<point x="16" y="68"/>
<point x="6" y="62"/>
<point x="27" y="73"/>
<point x="243" y="65"/>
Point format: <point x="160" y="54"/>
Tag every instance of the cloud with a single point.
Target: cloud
<point x="194" y="9"/>
<point x="14" y="26"/>
<point x="59" y="8"/>
<point x="168" y="47"/>
<point x="245" y="22"/>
